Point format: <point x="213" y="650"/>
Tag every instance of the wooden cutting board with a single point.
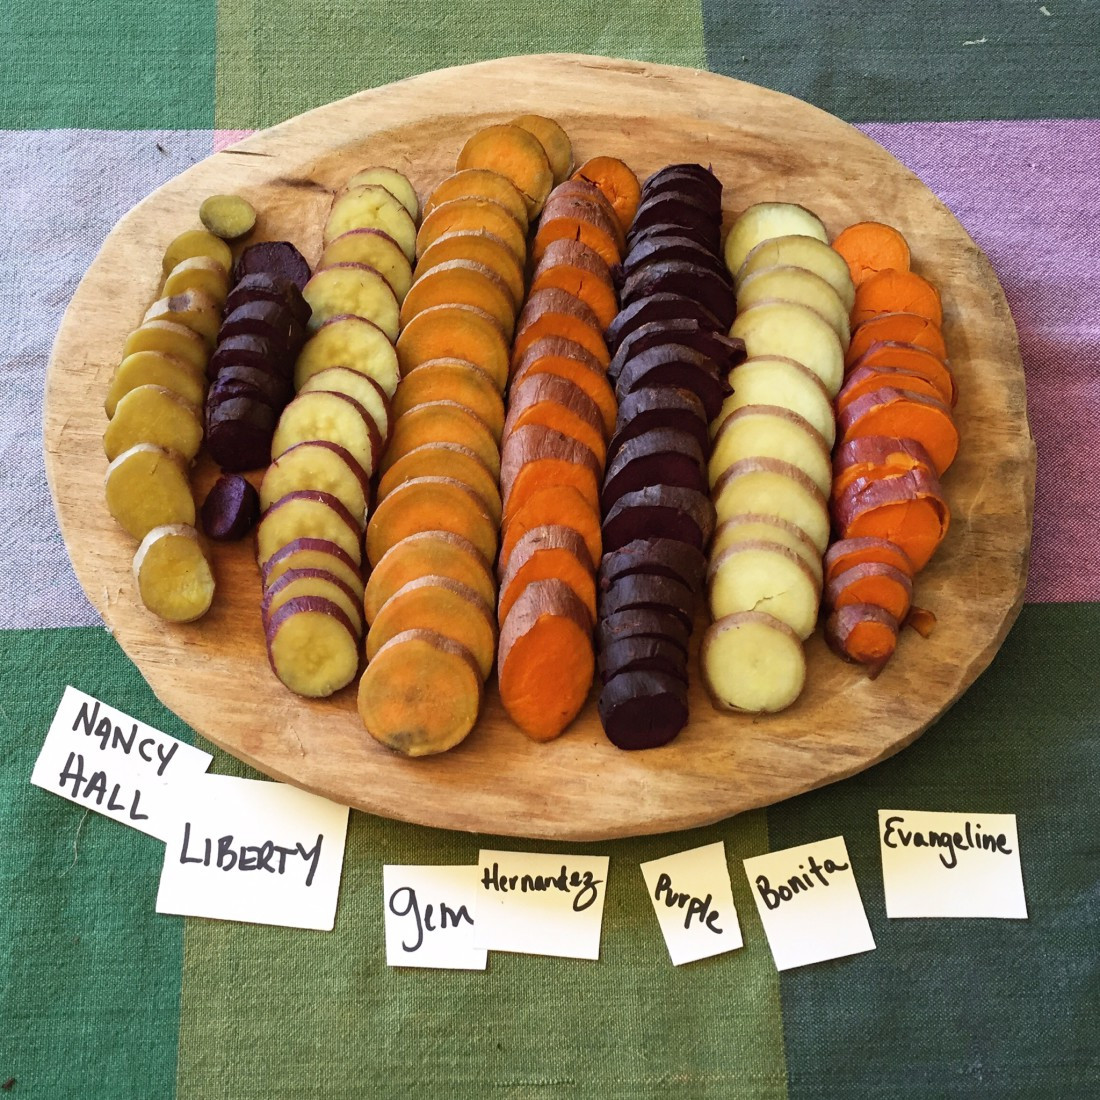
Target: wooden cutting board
<point x="763" y="146"/>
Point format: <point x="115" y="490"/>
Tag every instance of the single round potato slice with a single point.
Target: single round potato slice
<point x="227" y="216"/>
<point x="198" y="273"/>
<point x="157" y="415"/>
<point x="352" y="342"/>
<point x="765" y="220"/>
<point x="753" y="663"/>
<point x="808" y="252"/>
<point x="155" y="368"/>
<point x="146" y="487"/>
<point x="393" y="181"/>
<point x="169" y="338"/>
<point x="196" y="242"/>
<point x="173" y="573"/>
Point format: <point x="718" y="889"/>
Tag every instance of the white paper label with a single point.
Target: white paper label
<point x="951" y="865"/>
<point x="538" y="904"/>
<point x="429" y="917"/>
<point x="693" y="899"/>
<point x="104" y="760"/>
<point x="248" y="850"/>
<point x="809" y="903"/>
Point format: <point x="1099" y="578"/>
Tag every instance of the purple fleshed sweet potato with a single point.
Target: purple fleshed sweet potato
<point x="249" y="351"/>
<point x="660" y="249"/>
<point x="652" y="407"/>
<point x="661" y="557"/>
<point x="262" y="286"/>
<point x="663" y="456"/>
<point x="660" y="511"/>
<point x="648" y="592"/>
<point x="688" y="279"/>
<point x="663" y="625"/>
<point x="642" y="710"/>
<point x="636" y="654"/>
<point x="680" y="209"/>
<point x="685" y="183"/>
<point x="239" y="381"/>
<point x="238" y="434"/>
<point x="703" y="235"/>
<point x="270" y="321"/>
<point x="230" y="509"/>
<point x="675" y="365"/>
<point x="275" y="258"/>
<point x="726" y="351"/>
<point x="705" y="177"/>
<point x="663" y="306"/>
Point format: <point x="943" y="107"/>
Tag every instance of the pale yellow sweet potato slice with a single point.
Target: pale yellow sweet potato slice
<point x="793" y="331"/>
<point x="516" y="154"/>
<point x="796" y="284"/>
<point x="393" y="181"/>
<point x="372" y="207"/>
<point x="349" y="342"/>
<point x="375" y="249"/>
<point x="361" y="388"/>
<point x="430" y="504"/>
<point x="295" y="583"/>
<point x="426" y="553"/>
<point x="154" y="368"/>
<point x="765" y="220"/>
<point x="444" y="606"/>
<point x="455" y="331"/>
<point x="808" y="252"/>
<point x="307" y="514"/>
<point x="756" y="527"/>
<point x="311" y="646"/>
<point x="346" y="288"/>
<point x="772" y="380"/>
<point x="480" y="183"/>
<point x="753" y="663"/>
<point x="146" y="487"/>
<point x="481" y="247"/>
<point x="308" y="553"/>
<point x="421" y="694"/>
<point x="452" y="380"/>
<point x="169" y="338"/>
<point x="554" y="141"/>
<point x="462" y="282"/>
<point x="196" y="242"/>
<point x="198" y="273"/>
<point x="472" y="215"/>
<point x="322" y="414"/>
<point x="445" y="460"/>
<point x="318" y="464"/>
<point x="173" y="573"/>
<point x="194" y="309"/>
<point x="228" y="216"/>
<point x="157" y="415"/>
<point x="441" y="422"/>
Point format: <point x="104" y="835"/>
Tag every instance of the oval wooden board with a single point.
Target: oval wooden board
<point x="763" y="146"/>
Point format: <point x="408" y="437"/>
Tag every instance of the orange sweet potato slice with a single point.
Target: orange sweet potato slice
<point x="912" y="358"/>
<point x="479" y="183"/>
<point x="618" y="183"/>
<point x="461" y="282"/>
<point x="568" y="359"/>
<point x="846" y="553"/>
<point x="554" y="141"/>
<point x="465" y="215"/>
<point x="865" y="380"/>
<point x="534" y="457"/>
<point x="555" y="402"/>
<point x="874" y="457"/>
<point x="903" y="415"/>
<point x="554" y="312"/>
<point x="864" y="634"/>
<point x="455" y="331"/>
<point x="572" y="220"/>
<point x="517" y="155"/>
<point x="582" y="191"/>
<point x="444" y="460"/>
<point x="579" y="270"/>
<point x="452" y="380"/>
<point x="546" y="659"/>
<point x="480" y="247"/>
<point x="875" y="583"/>
<point x="552" y="504"/>
<point x="902" y="328"/>
<point x="548" y="553"/>
<point x="893" y="291"/>
<point x="441" y="422"/>
<point x="870" y="247"/>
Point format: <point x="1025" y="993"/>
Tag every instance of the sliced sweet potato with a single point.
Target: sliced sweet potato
<point x="155" y="368"/>
<point x="547" y="553"/>
<point x="579" y="270"/>
<point x="554" y="141"/>
<point x="682" y="277"/>
<point x="230" y="509"/>
<point x="196" y="242"/>
<point x="516" y="154"/>
<point x="567" y="359"/>
<point x="352" y="342"/>
<point x="641" y="655"/>
<point x="393" y="181"/>
<point x="263" y="286"/>
<point x="459" y="332"/>
<point x="355" y="289"/>
<point x="664" y="306"/>
<point x="648" y="592"/>
<point x="480" y="247"/>
<point x="652" y="408"/>
<point x="661" y="557"/>
<point x="556" y="313"/>
<point x="688" y="332"/>
<point x="679" y="366"/>
<point x="581" y="191"/>
<point x="168" y="338"/>
<point x="452" y="380"/>
<point x="771" y="380"/>
<point x="173" y="574"/>
<point x="371" y="207"/>
<point x="428" y="553"/>
<point x="295" y="583"/>
<point x="267" y="320"/>
<point x="445" y="460"/>
<point x="197" y="273"/>
<point x="375" y="249"/>
<point x="318" y="464"/>
<point x="240" y="381"/>
<point x="758" y="527"/>
<point x="864" y="634"/>
<point x="796" y="284"/>
<point x="701" y="229"/>
<point x="462" y="282"/>
<point x="793" y="331"/>
<point x="752" y="663"/>
<point x="872" y="457"/>
<point x="660" y="511"/>
<point x="893" y="291"/>
<point x="643" y="710"/>
<point x="870" y="247"/>
<point x="847" y="553"/>
<point x="256" y="352"/>
<point x="765" y="221"/>
<point x="146" y="487"/>
<point x="312" y="647"/>
<point x="239" y="431"/>
<point x="912" y="359"/>
<point x="663" y="248"/>
<point x="550" y="401"/>
<point x="312" y="553"/>
<point x="679" y="208"/>
<point x="441" y="422"/>
<point x="307" y="513"/>
<point x="899" y="328"/>
<point x="868" y="379"/>
<point x="480" y="183"/>
<point x="695" y="178"/>
<point x="661" y="625"/>
<point x="556" y="504"/>
<point x="323" y="414"/>
<point x="874" y="583"/>
<point x="662" y="456"/>
<point x="546" y="662"/>
<point x="421" y="694"/>
<point x="363" y="389"/>
<point x="472" y="215"/>
<point x="430" y="504"/>
<point x="774" y="488"/>
<point x="279" y="258"/>
<point x="194" y="309"/>
<point x="570" y="219"/>
<point x="617" y="182"/>
<point x="534" y="457"/>
<point x="800" y="251"/>
<point x="443" y="606"/>
<point x="902" y="414"/>
<point x="157" y="415"/>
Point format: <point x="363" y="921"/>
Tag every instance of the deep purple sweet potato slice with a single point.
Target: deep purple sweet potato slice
<point x="726" y="351"/>
<point x="660" y="249"/>
<point x="676" y="208"/>
<point x="270" y="321"/>
<point x="703" y="235"/>
<point x="642" y="710"/>
<point x="662" y="306"/>
<point x="648" y="592"/>
<point x="262" y="286"/>
<point x="662" y="625"/>
<point x="250" y="351"/>
<point x="636" y="654"/>
<point x="682" y="277"/>
<point x="687" y="183"/>
<point x="653" y="407"/>
<point x="274" y="258"/>
<point x="230" y="509"/>
<point x="660" y="457"/>
<point x="243" y="381"/>
<point x="697" y="172"/>
<point x="675" y="365"/>
<point x="238" y="434"/>
<point x="660" y="511"/>
<point x="661" y="557"/>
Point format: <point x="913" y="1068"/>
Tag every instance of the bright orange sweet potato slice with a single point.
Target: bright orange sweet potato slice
<point x="479" y="183"/>
<point x="864" y="634"/>
<point x="618" y="183"/>
<point x="548" y="553"/>
<point x="517" y="155"/>
<point x="874" y="583"/>
<point x="535" y="457"/>
<point x="555" y="402"/>
<point x="844" y="554"/>
<point x="893" y="291"/>
<point x="441" y="422"/>
<point x="912" y="358"/>
<point x="552" y="504"/>
<point x="480" y="247"/>
<point x="868" y="379"/>
<point x="579" y="270"/>
<point x="461" y="282"/>
<point x="452" y="380"/>
<point x="465" y="215"/>
<point x="554" y="312"/>
<point x="444" y="460"/>
<point x="554" y="141"/>
<point x="876" y="457"/>
<point x="902" y="328"/>
<point x="455" y="331"/>
<point x="572" y="220"/>
<point x="871" y="247"/>
<point x="582" y="191"/>
<point x="903" y="415"/>
<point x="568" y="359"/>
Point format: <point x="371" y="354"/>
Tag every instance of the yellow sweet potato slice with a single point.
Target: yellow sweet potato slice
<point x="173" y="574"/>
<point x="146" y="487"/>
<point x="461" y="332"/>
<point x="311" y="646"/>
<point x="295" y="583"/>
<point x="472" y="215"/>
<point x="349" y="342"/>
<point x="757" y="640"/>
<point x="797" y="284"/>
<point x="157" y="415"/>
<point x="430" y="504"/>
<point x="421" y="694"/>
<point x="198" y="273"/>
<point x="371" y="207"/>
<point x="308" y="553"/>
<point x="196" y="242"/>
<point x="452" y="380"/>
<point x="322" y="465"/>
<point x="479" y="247"/>
<point x="801" y="251"/>
<point x="323" y="414"/>
<point x="441" y="422"/>
<point x="445" y="460"/>
<point x="393" y="181"/>
<point x="194" y="309"/>
<point x="346" y="288"/>
<point x="793" y="331"/>
<point x="480" y="183"/>
<point x="227" y="216"/>
<point x="444" y="606"/>
<point x="307" y="514"/>
<point x="154" y="368"/>
<point x="375" y="249"/>
<point x="361" y="388"/>
<point x="515" y="153"/>
<point x="462" y="282"/>
<point x="169" y="338"/>
<point x="764" y="221"/>
<point x="554" y="141"/>
<point x="426" y="553"/>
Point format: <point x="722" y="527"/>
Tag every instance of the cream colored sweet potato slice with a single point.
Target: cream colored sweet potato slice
<point x="323" y="414"/>
<point x="772" y="380"/>
<point x="421" y="694"/>
<point x="452" y="380"/>
<point x="517" y="155"/>
<point x="168" y="338"/>
<point x="157" y="415"/>
<point x="363" y="389"/>
<point x="568" y="359"/>
<point x="752" y="639"/>
<point x="146" y="487"/>
<point x="393" y="181"/>
<point x="773" y="488"/>
<point x="764" y="221"/>
<point x="555" y="402"/>
<point x="196" y="242"/>
<point x="554" y="141"/>
<point x="553" y="504"/>
<point x="479" y="183"/>
<point x="548" y="553"/>
<point x="311" y="646"/>
<point x="347" y="288"/>
<point x="351" y="342"/>
<point x="173" y="574"/>
<point x="427" y="553"/>
<point x="581" y="271"/>
<point x="546" y="662"/>
<point x="155" y="368"/>
<point x="374" y="248"/>
<point x="441" y="422"/>
<point x="796" y="284"/>
<point x="311" y="553"/>
<point x="793" y="331"/>
<point x="800" y="251"/>
<point x="534" y="457"/>
<point x="480" y="247"/>
<point x="430" y="504"/>
<point x="371" y="207"/>
<point x="462" y="282"/>
<point x="757" y="527"/>
<point x="554" y="312"/>
<point x="313" y="582"/>
<point x="455" y="331"/>
<point x="307" y="513"/>
<point x="467" y="215"/>
<point x="445" y="460"/>
<point x="318" y="464"/>
<point x="444" y="606"/>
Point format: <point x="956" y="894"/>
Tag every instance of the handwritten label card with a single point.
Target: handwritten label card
<point x="539" y="904"/>
<point x="809" y="903"/>
<point x="104" y="760"/>
<point x="247" y="850"/>
<point x="429" y="917"/>
<point x="951" y="865"/>
<point x="693" y="899"/>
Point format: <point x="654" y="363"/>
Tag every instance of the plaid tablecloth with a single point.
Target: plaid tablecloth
<point x="996" y="105"/>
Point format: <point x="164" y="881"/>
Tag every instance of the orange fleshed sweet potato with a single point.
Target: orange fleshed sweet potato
<point x="567" y="359"/>
<point x="480" y="247"/>
<point x="846" y="553"/>
<point x="479" y="183"/>
<point x="452" y="380"/>
<point x="864" y="634"/>
<point x="901" y="414"/>
<point x="574" y="267"/>
<point x="617" y="182"/>
<point x="901" y="328"/>
<point x="554" y="141"/>
<point x="444" y="460"/>
<point x="893" y="291"/>
<point x="547" y="553"/>
<point x="546" y="660"/>
<point x="912" y="358"/>
<point x="554" y="504"/>
<point x="441" y="422"/>
<point x="459" y="332"/>
<point x="461" y="282"/>
<point x="554" y="312"/>
<point x="572" y="220"/>
<point x="472" y="215"/>
<point x="517" y="155"/>
<point x="555" y="402"/>
<point x="871" y="247"/>
<point x="874" y="583"/>
<point x="874" y="457"/>
<point x="534" y="457"/>
<point x="581" y="190"/>
<point x="865" y="380"/>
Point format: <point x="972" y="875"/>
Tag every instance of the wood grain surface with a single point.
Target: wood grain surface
<point x="763" y="146"/>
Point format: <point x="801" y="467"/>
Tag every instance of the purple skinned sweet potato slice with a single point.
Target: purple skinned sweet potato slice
<point x="262" y="286"/>
<point x="661" y="306"/>
<point x="660" y="457"/>
<point x="661" y="557"/>
<point x="275" y="258"/>
<point x="675" y="365"/>
<point x="682" y="277"/>
<point x="230" y="509"/>
<point x="662" y="248"/>
<point x="648" y="592"/>
<point x="240" y="381"/>
<point x="640" y="654"/>
<point x="238" y="434"/>
<point x="698" y="172"/>
<point x="676" y="208"/>
<point x="702" y="234"/>
<point x="726" y="351"/>
<point x="663" y="625"/>
<point x="653" y="407"/>
<point x="250" y="351"/>
<point x="270" y="321"/>
<point x="660" y="511"/>
<point x="643" y="710"/>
